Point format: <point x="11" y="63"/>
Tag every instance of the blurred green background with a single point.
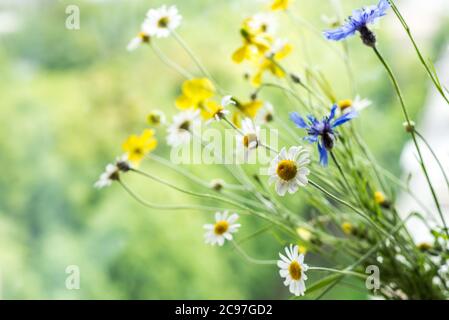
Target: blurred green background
<point x="68" y="98"/>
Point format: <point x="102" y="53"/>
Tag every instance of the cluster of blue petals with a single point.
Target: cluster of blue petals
<point x="322" y="132"/>
<point x="360" y="18"/>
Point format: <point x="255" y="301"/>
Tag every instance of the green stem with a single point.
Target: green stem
<point x="195" y="59"/>
<point x="433" y="75"/>
<point x="365" y="150"/>
<point x="303" y="85"/>
<point x="342" y="173"/>
<point x="250" y="259"/>
<point x="214" y="197"/>
<point x="345" y="272"/>
<point x="167" y="207"/>
<point x="434" y="156"/>
<point x="226" y="187"/>
<point x="286" y="90"/>
<point x="192" y="193"/>
<point x="412" y="132"/>
<point x="346" y="204"/>
<point x="167" y="61"/>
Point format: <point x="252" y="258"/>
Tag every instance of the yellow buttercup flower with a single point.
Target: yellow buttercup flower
<point x="424" y="246"/>
<point x="213" y="110"/>
<point x="344" y="104"/>
<point x="196" y="94"/>
<point x="304" y="233"/>
<point x="255" y="43"/>
<point x="280" y="4"/>
<point x="156" y="118"/>
<point x="347" y="228"/>
<point x="279" y="51"/>
<point x="136" y="147"/>
<point x="302" y="249"/>
<point x="246" y="110"/>
<point x="379" y="197"/>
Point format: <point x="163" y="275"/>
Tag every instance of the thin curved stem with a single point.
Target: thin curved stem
<point x="432" y="73"/>
<point x="346" y="204"/>
<point x="412" y="132"/>
<point x="434" y="156"/>
<point x="171" y="64"/>
<point x="250" y="259"/>
<point x="214" y="197"/>
<point x="313" y="93"/>
<point x="342" y="173"/>
<point x="345" y="272"/>
<point x="195" y="59"/>
<point x="192" y="193"/>
<point x="167" y="207"/>
<point x="286" y="90"/>
<point x="204" y="184"/>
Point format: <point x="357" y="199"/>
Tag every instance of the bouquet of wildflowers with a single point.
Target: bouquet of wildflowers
<point x="317" y="155"/>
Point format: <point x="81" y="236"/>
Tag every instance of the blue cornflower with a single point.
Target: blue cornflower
<point x="322" y="132"/>
<point x="358" y="22"/>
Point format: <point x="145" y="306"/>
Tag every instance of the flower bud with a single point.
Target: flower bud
<point x="295" y="78"/>
<point x="368" y="37"/>
<point x="409" y="126"/>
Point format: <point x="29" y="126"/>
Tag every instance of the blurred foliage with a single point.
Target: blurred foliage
<point x="68" y="100"/>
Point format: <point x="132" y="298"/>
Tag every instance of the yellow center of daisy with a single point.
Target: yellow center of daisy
<point x="286" y="169"/>
<point x="249" y="138"/>
<point x="163" y="22"/>
<point x="218" y="113"/>
<point x="295" y="270"/>
<point x="138" y="150"/>
<point x="221" y="227"/>
<point x="344" y="104"/>
<point x="144" y="37"/>
<point x="154" y="119"/>
<point x="268" y="117"/>
<point x="185" y="126"/>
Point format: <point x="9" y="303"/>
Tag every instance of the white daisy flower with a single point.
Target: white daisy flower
<point x="331" y="21"/>
<point x="278" y="46"/>
<point x="265" y="114"/>
<point x="183" y="126"/>
<point x="247" y="138"/>
<point x="358" y="104"/>
<point x="112" y="172"/>
<point x="293" y="270"/>
<point x="142" y="37"/>
<point x="263" y="22"/>
<point x="162" y="21"/>
<point x="226" y="101"/>
<point x="217" y="184"/>
<point x="288" y="170"/>
<point x="156" y="118"/>
<point x="223" y="228"/>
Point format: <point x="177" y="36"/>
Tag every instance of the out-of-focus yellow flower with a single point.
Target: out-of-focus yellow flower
<point x="255" y="43"/>
<point x="212" y="110"/>
<point x="246" y="109"/>
<point x="424" y="246"/>
<point x="302" y="249"/>
<point x="347" y="228"/>
<point x="344" y="104"/>
<point x="304" y="234"/>
<point x="280" y="4"/>
<point x="196" y="94"/>
<point x="279" y="51"/>
<point x="136" y="147"/>
<point x="156" y="118"/>
<point x="379" y="197"/>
